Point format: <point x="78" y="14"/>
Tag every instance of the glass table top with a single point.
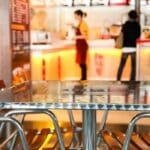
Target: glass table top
<point x="98" y="95"/>
<point x="74" y="106"/>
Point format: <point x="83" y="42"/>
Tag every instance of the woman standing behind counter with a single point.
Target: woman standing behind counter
<point x="81" y="36"/>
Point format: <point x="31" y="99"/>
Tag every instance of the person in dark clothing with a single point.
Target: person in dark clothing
<point x="131" y="31"/>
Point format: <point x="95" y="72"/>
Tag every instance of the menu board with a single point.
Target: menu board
<point x="19" y="22"/>
<point x="20" y="40"/>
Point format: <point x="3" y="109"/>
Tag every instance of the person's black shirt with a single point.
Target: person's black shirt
<point x="131" y="32"/>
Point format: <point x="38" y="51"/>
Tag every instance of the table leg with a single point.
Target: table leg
<point x="89" y="129"/>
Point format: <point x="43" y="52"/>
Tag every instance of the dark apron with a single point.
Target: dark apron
<point x="81" y="48"/>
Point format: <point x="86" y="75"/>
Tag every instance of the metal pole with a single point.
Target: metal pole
<point x="74" y="127"/>
<point x="15" y="137"/>
<point x="89" y="129"/>
<point x="138" y="8"/>
<point x="138" y="77"/>
<point x="102" y="126"/>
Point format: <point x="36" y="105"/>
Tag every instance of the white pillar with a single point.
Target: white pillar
<point x="5" y="51"/>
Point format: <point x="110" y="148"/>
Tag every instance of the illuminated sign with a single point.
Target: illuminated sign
<point x="119" y="2"/>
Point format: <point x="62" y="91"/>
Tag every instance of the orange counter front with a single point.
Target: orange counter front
<point x="60" y="64"/>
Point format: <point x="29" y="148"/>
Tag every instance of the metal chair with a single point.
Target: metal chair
<point x="19" y="130"/>
<point x="49" y="113"/>
<point x="131" y="127"/>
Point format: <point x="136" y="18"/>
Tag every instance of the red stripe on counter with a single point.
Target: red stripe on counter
<point x="43" y="69"/>
<point x="143" y="41"/>
<point x="59" y="67"/>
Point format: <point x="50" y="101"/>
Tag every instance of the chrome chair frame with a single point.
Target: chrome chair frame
<point x="46" y="112"/>
<point x="131" y="127"/>
<point x="19" y="129"/>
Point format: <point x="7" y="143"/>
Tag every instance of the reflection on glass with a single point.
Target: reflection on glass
<point x="96" y="92"/>
<point x="91" y="92"/>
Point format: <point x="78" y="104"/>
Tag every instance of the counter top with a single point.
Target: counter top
<point x="64" y="44"/>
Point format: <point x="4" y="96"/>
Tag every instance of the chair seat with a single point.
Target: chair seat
<point x="121" y="137"/>
<point x="135" y="138"/>
<point x="146" y="137"/>
<point x="112" y="143"/>
<point x="52" y="143"/>
<point x="31" y="135"/>
<point x="40" y="139"/>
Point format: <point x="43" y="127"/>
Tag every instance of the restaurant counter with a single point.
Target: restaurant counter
<point x="57" y="61"/>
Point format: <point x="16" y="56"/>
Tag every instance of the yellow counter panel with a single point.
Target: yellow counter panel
<point x="60" y="65"/>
